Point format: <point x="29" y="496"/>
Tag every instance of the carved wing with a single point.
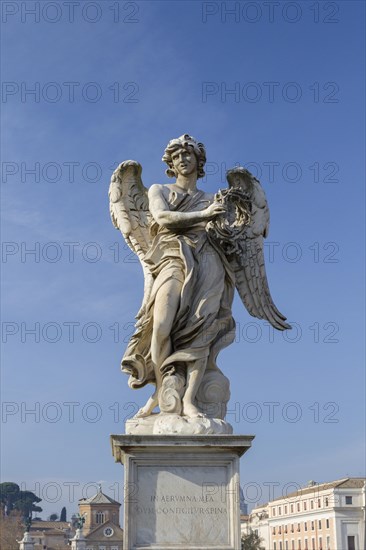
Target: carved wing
<point x="248" y="262"/>
<point x="129" y="208"/>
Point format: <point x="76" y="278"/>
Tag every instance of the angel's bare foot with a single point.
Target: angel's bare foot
<point x="191" y="410"/>
<point x="147" y="409"/>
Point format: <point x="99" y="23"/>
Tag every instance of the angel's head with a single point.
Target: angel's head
<point x="190" y="145"/>
<point x="240" y="178"/>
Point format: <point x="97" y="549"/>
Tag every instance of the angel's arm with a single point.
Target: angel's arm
<point x="163" y="216"/>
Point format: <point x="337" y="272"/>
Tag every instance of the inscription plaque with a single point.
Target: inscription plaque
<point x="181" y="504"/>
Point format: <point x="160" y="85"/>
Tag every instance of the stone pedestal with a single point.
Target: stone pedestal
<point x="181" y="492"/>
<point x="78" y="542"/>
<point x="27" y="542"/>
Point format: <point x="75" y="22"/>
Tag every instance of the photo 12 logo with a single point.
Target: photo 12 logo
<point x="269" y="92"/>
<point x="53" y="12"/>
<point x="92" y="412"/>
<point x="230" y="12"/>
<point x="69" y="92"/>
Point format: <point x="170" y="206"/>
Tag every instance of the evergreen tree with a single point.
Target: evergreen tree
<point x="26" y="503"/>
<point x="12" y="498"/>
<point x="8" y="494"/>
<point x="251" y="542"/>
<point x="63" y="514"/>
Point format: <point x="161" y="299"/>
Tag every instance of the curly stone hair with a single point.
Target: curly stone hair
<point x="185" y="141"/>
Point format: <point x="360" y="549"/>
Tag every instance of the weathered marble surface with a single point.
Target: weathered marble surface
<point x="181" y="492"/>
<point x="195" y="249"/>
<point x="161" y="424"/>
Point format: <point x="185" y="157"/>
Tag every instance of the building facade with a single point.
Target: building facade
<point x="51" y="535"/>
<point x="101" y="529"/>
<point x="327" y="516"/>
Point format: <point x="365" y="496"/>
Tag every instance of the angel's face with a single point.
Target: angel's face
<point x="184" y="161"/>
<point x="236" y="181"/>
<point x="239" y="181"/>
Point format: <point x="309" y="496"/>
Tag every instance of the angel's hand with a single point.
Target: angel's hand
<point x="215" y="209"/>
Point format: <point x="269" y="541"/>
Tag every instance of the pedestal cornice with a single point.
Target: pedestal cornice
<point x="122" y="444"/>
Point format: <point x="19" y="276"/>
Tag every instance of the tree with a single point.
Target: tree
<point x="63" y="514"/>
<point x="11" y="529"/>
<point x="53" y="517"/>
<point x="12" y="498"/>
<point x="9" y="492"/>
<point x="25" y="503"/>
<point x="252" y="541"/>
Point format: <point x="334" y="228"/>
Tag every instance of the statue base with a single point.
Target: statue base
<point x="174" y="424"/>
<point x="181" y="492"/>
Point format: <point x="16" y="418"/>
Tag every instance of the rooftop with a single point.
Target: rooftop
<point x="345" y="483"/>
<point x="46" y="525"/>
<point x="99" y="498"/>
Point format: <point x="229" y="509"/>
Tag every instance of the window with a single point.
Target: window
<point x="286" y="529"/>
<point x="100" y="517"/>
<point x="273" y="511"/>
<point x="279" y="510"/>
<point x="298" y="506"/>
<point x="312" y="526"/>
<point x="320" y="544"/>
<point x="274" y="531"/>
<point x="299" y="545"/>
<point x="285" y="510"/>
<point x="304" y="505"/>
<point x="279" y="530"/>
<point x="313" y="544"/>
<point x="292" y="508"/>
<point x="326" y="502"/>
<point x="351" y="543"/>
<point x="280" y="545"/>
<point x="114" y="548"/>
<point x="328" y="543"/>
<point x="306" y="544"/>
<point x="311" y="504"/>
<point x="292" y="527"/>
<point x="320" y="524"/>
<point x="298" y="526"/>
<point x="102" y="548"/>
<point x="286" y="545"/>
<point x="348" y="500"/>
<point x="319" y="503"/>
<point x="327" y="523"/>
<point x="292" y="544"/>
<point x="274" y="546"/>
<point x="305" y="525"/>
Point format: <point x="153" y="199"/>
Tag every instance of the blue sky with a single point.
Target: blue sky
<point x="140" y="76"/>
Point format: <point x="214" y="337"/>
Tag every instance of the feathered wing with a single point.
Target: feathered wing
<point x="129" y="208"/>
<point x="249" y="268"/>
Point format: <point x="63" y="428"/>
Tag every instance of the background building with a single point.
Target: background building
<point x="102" y="529"/>
<point x="51" y="535"/>
<point x="326" y="516"/>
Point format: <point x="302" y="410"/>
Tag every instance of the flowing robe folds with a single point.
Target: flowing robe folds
<point x="203" y="323"/>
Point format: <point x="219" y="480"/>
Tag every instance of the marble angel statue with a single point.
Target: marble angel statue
<point x="195" y="249"/>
